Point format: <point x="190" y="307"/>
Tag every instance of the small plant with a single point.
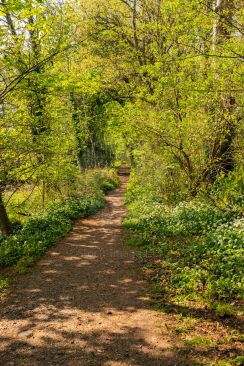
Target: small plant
<point x="222" y="309"/>
<point x="5" y="282"/>
<point x="23" y="265"/>
<point x="222" y="363"/>
<point x="239" y="360"/>
<point x="182" y="330"/>
<point x="206" y="342"/>
<point x="156" y="289"/>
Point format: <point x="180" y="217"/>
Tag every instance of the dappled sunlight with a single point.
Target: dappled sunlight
<point x="51" y="271"/>
<point x="84" y="304"/>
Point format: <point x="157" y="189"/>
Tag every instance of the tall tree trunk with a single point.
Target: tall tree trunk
<point x="224" y="9"/>
<point x="223" y="147"/>
<point x="4" y="220"/>
<point x="76" y="122"/>
<point x="221" y="153"/>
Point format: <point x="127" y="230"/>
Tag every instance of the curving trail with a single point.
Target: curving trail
<point x="84" y="303"/>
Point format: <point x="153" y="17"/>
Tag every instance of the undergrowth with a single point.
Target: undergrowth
<point x="43" y="230"/>
<point x="192" y="250"/>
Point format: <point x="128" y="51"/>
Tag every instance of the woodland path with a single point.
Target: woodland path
<point x="84" y="303"/>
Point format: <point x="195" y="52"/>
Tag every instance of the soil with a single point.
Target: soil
<point x="84" y="303"/>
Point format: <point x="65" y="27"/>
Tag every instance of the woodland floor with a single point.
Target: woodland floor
<point x="84" y="303"/>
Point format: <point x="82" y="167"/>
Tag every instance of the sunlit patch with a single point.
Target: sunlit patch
<point x="55" y="254"/>
<point x="126" y="280"/>
<point x="51" y="271"/>
<point x="71" y="258"/>
<point x="34" y="290"/>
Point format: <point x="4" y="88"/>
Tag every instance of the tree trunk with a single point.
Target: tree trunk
<point x="76" y="121"/>
<point x="222" y="26"/>
<point x="4" y="220"/>
<point x="221" y="153"/>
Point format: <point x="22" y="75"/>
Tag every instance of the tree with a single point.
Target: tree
<point x="32" y="36"/>
<point x="167" y="65"/>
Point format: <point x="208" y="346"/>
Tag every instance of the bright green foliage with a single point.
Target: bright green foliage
<point x="52" y="107"/>
<point x="228" y="191"/>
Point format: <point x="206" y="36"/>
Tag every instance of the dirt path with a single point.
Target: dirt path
<point x="84" y="303"/>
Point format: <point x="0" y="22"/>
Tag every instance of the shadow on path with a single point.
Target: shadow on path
<point x="84" y="304"/>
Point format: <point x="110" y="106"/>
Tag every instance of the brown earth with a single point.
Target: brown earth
<point x="84" y="303"/>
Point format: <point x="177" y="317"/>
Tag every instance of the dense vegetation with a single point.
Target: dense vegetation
<point x="193" y="249"/>
<point x="155" y="84"/>
<point x="44" y="229"/>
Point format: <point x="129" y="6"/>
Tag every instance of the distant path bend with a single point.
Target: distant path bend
<point x="84" y="303"/>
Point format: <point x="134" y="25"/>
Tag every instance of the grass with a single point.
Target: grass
<point x="222" y="309"/>
<point x="205" y="342"/>
<point x="182" y="330"/>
